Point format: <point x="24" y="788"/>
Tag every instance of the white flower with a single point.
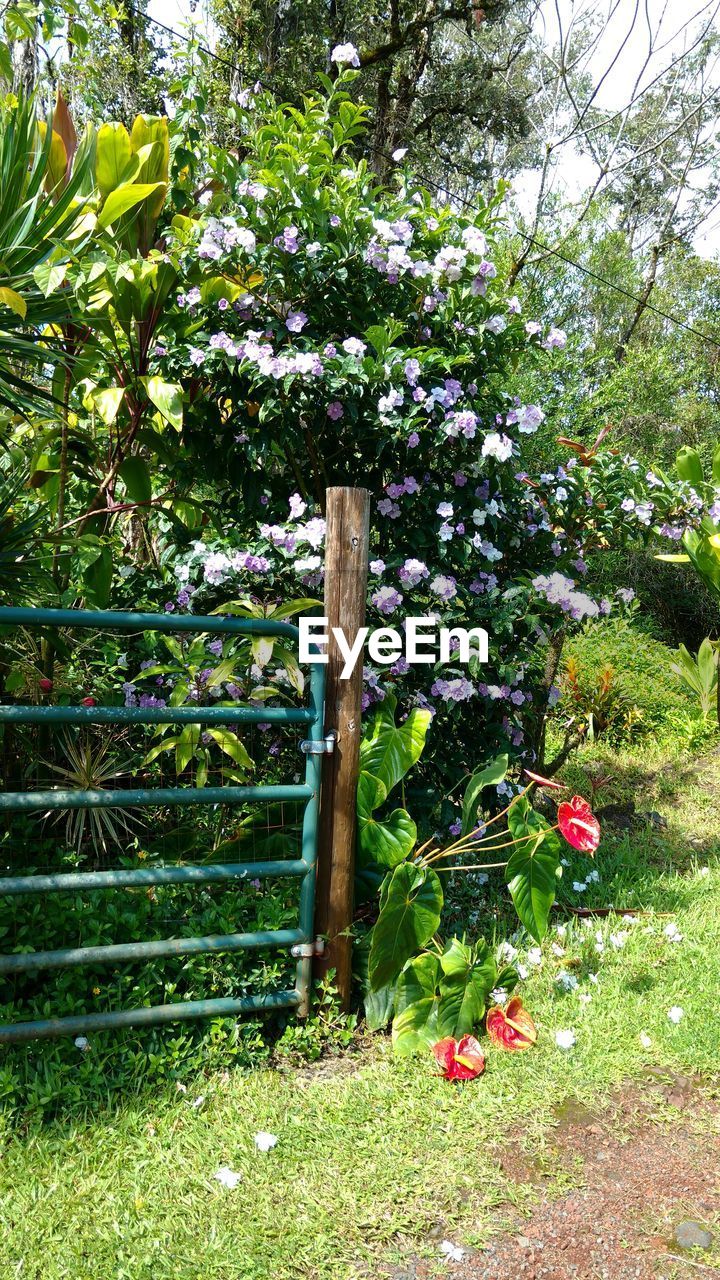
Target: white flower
<point x="566" y="980"/>
<point x="452" y="1251"/>
<point x="618" y="940"/>
<point x="82" y="1044"/>
<point x="227" y="1177"/>
<point x="499" y="996"/>
<point x="593" y="877"/>
<point x="497" y="446"/>
<point x="592" y="977"/>
<point x="672" y="933"/>
<point x="565" y="1039"/>
<point x="399" y="154"/>
<point x="265" y="1141"/>
<point x="704" y="871"/>
<point x="645" y="1040"/>
<point x="676" y="1014"/>
<point x="561" y="930"/>
<point x="579" y="886"/>
<point x="584" y="997"/>
<point x="557" y="950"/>
<point x="506" y="953"/>
<point x="534" y="956"/>
<point x="522" y="971"/>
<point x="345" y="55"/>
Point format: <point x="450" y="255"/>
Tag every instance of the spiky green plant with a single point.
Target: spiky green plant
<point x="90" y="766"/>
<point x="39" y="207"/>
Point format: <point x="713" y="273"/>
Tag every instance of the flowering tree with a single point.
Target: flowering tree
<point x="269" y="322"/>
<point x="327" y="332"/>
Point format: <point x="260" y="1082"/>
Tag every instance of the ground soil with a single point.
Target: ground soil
<point x="648" y="1163"/>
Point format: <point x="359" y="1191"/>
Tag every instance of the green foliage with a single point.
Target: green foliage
<point x="387" y="752"/>
<point x="617" y="673"/>
<point x="699" y="674"/>
<point x="533" y="867"/>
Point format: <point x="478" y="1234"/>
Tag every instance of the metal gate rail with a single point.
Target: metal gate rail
<point x="299" y="940"/>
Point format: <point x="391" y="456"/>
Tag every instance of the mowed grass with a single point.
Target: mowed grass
<point x="377" y="1158"/>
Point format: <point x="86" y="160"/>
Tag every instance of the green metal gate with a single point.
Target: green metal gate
<point x="298" y="940"/>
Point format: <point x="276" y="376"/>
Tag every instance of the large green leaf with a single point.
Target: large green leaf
<point x="379" y="1006"/>
<point x="492" y="774"/>
<point x="385" y="841"/>
<point x="167" y="397"/>
<point x="389" y="750"/>
<point x="113" y="154"/>
<point x="123" y="199"/>
<point x="232" y="747"/>
<point x="410" y="906"/>
<point x="135" y="475"/>
<point x="416" y="1004"/>
<point x="689" y="465"/>
<point x="469" y="975"/>
<point x="531" y="873"/>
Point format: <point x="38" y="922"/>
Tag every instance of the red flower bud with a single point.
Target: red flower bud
<point x="543" y="782"/>
<point x="45" y="685"/>
<point x="88" y="702"/>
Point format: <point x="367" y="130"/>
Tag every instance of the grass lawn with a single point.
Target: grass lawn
<point x="377" y="1158"/>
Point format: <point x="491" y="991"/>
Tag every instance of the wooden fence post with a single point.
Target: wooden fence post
<point x="346" y="571"/>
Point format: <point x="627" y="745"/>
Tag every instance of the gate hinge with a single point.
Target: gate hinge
<point x="324" y="747"/>
<point x="303" y="950"/>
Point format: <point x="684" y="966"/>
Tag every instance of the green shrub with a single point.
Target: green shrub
<point x="622" y="674"/>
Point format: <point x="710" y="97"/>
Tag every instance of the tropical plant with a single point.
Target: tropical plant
<point x="91" y="766"/>
<point x="42" y="198"/>
<point x="434" y="989"/>
<point x="20" y="538"/>
<point x="700" y="675"/>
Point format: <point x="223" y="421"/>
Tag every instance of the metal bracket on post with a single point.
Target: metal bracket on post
<point x="324" y="747"/>
<point x="306" y="950"/>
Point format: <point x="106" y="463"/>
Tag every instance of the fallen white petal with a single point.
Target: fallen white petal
<point x="227" y="1177"/>
<point x="265" y="1141"/>
<point x="676" y="1014"/>
<point x="452" y="1251"/>
<point x="565" y="1039"/>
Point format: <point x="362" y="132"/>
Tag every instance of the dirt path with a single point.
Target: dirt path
<point x="642" y="1179"/>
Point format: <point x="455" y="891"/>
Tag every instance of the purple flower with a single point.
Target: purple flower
<point x="387" y="599"/>
<point x="457" y="690"/>
<point x="377" y="567"/>
<point x="296" y="321"/>
<point x="412" y="572"/>
<point x="444" y="586"/>
<point x="413" y="440"/>
<point x="354" y="347"/>
<point x="335" y="411"/>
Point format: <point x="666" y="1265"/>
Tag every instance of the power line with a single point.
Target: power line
<point x="435" y="186"/>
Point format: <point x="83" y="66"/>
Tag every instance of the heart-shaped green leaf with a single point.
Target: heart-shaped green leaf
<point x="410" y="906"/>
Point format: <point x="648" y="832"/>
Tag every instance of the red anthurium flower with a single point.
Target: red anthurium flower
<point x="543" y="782"/>
<point x="88" y="702"/>
<point x="511" y="1027"/>
<point x="579" y="825"/>
<point x="459" y="1059"/>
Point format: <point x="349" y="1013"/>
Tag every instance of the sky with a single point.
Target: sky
<point x="618" y="59"/>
